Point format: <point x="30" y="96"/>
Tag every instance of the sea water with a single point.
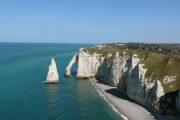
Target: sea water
<point x="24" y="96"/>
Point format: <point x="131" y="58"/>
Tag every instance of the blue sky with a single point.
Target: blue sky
<point x="90" y="21"/>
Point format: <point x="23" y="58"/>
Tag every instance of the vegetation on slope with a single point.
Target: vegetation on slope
<point x="160" y="65"/>
<point x="160" y="59"/>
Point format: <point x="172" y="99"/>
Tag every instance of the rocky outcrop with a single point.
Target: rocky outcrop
<point x="169" y="79"/>
<point x="68" y="68"/>
<point x="52" y="76"/>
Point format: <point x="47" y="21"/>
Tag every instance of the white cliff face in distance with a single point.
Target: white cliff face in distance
<point x="52" y="76"/>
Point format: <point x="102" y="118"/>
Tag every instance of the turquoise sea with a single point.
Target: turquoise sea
<point x="24" y="96"/>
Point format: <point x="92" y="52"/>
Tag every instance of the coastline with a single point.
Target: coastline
<point x="126" y="109"/>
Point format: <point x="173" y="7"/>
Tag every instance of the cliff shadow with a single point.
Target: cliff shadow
<point x="117" y="93"/>
<point x="168" y="103"/>
<point x="102" y="71"/>
<point x="100" y="79"/>
<point x="122" y="95"/>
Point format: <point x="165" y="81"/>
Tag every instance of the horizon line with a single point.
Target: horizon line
<point x="43" y="42"/>
<point x="85" y="43"/>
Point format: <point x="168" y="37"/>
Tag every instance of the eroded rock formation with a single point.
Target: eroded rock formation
<point x="52" y="76"/>
<point x="68" y="68"/>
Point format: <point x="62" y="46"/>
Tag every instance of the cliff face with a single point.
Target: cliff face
<point x="91" y="65"/>
<point x="138" y="87"/>
<point x="127" y="72"/>
<point x="116" y="69"/>
<point x="88" y="64"/>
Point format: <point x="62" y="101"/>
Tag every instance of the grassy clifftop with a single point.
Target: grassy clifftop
<point x="160" y="59"/>
<point x="160" y="65"/>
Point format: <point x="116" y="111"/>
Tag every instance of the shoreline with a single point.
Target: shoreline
<point x="126" y="109"/>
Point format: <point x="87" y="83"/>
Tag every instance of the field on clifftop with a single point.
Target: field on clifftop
<point x="160" y="59"/>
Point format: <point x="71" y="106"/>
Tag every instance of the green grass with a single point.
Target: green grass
<point x="159" y="64"/>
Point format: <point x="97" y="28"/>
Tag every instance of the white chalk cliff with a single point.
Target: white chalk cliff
<point x="116" y="69"/>
<point x="68" y="68"/>
<point x="138" y="87"/>
<point x="125" y="72"/>
<point x="88" y="64"/>
<point x="52" y="76"/>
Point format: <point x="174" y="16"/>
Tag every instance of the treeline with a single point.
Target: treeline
<point x="160" y="48"/>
